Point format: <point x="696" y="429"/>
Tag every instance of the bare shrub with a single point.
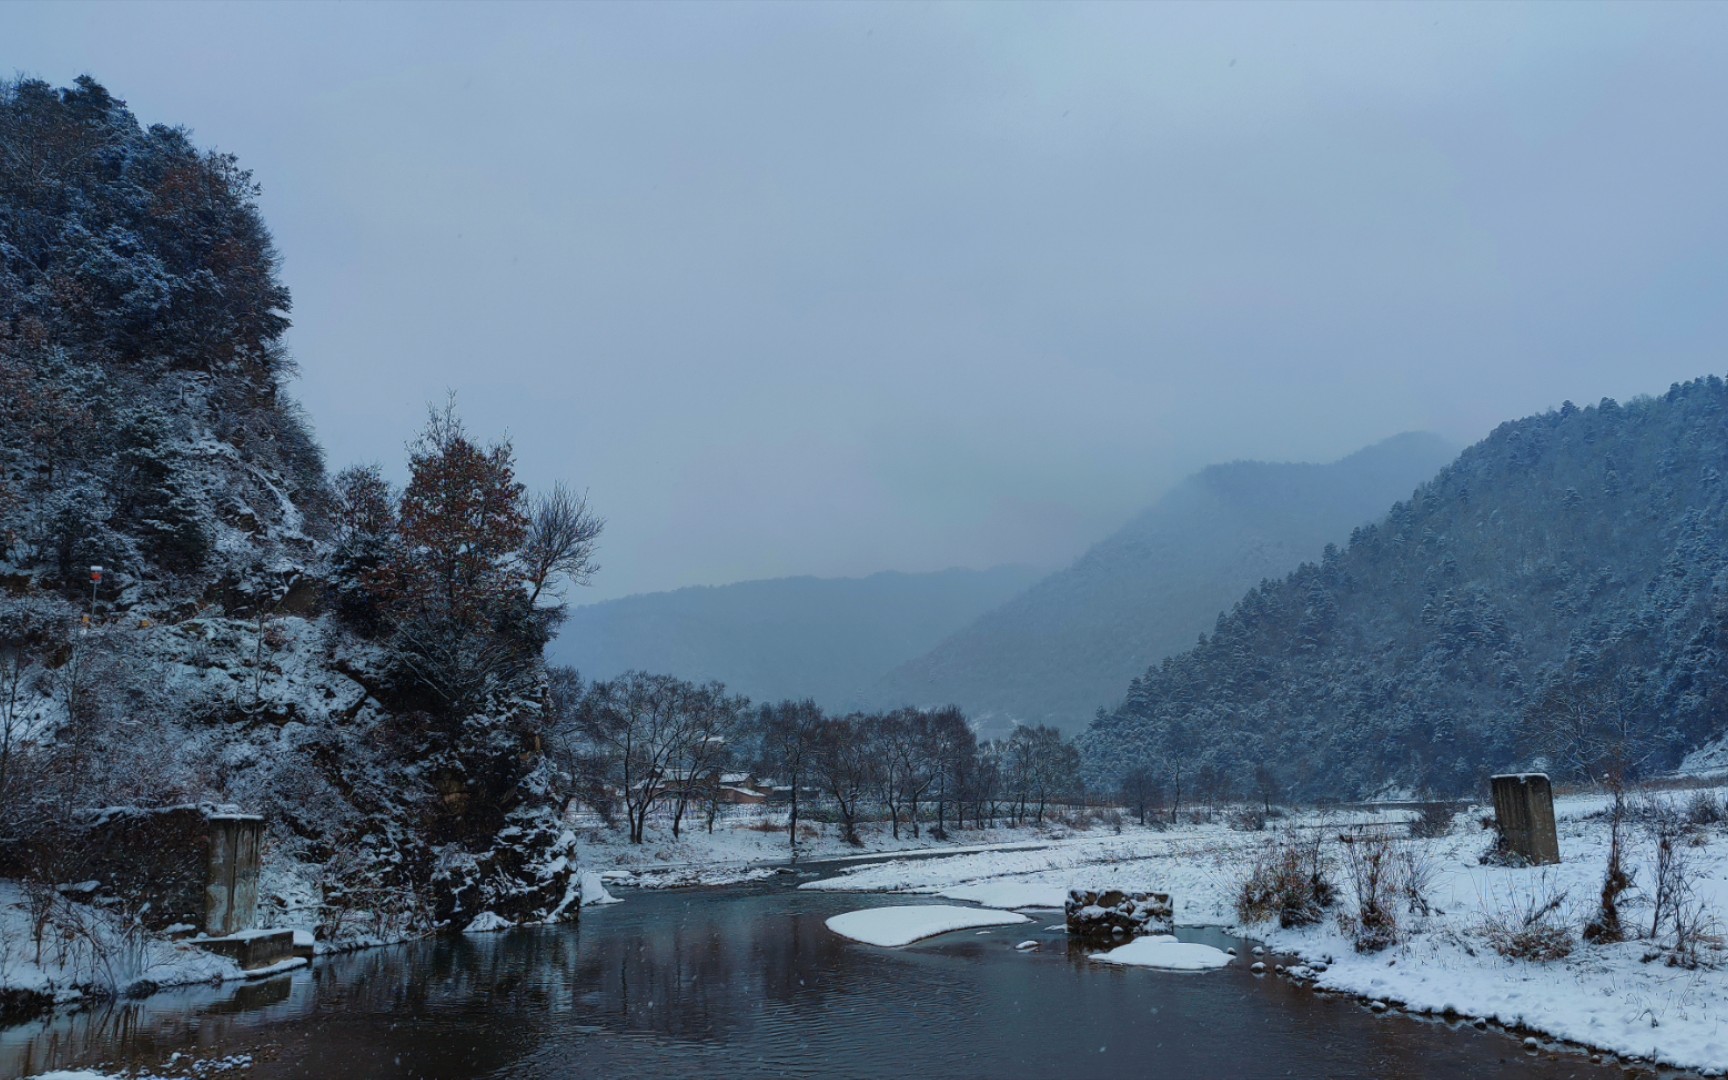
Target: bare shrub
<point x="1667" y="829"/>
<point x="1675" y="906"/>
<point x="40" y="901"/>
<point x="362" y="901"/>
<point x="1079" y="819"/>
<point x="1694" y="927"/>
<point x="1705" y="808"/>
<point x="1374" y="870"/>
<point x="1289" y="881"/>
<point x="1604" y="928"/>
<point x="105" y="950"/>
<point x="1532" y="926"/>
<point x="1433" y="820"/>
<point x="1248" y="819"/>
<point x="1417" y="870"/>
<point x="1500" y="853"/>
<point x="112" y="945"/>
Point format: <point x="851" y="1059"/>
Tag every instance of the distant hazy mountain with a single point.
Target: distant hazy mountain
<point x="1071" y="644"/>
<point x="1559" y="591"/>
<point x="826" y="638"/>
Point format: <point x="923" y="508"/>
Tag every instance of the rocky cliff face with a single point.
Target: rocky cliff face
<point x="146" y="429"/>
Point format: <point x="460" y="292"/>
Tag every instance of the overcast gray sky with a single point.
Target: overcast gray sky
<point x="830" y="288"/>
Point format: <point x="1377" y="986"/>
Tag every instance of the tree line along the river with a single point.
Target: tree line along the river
<point x="639" y="743"/>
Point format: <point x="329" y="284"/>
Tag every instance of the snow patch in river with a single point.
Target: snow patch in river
<point x="1011" y="895"/>
<point x="893" y="926"/>
<point x="1165" y="952"/>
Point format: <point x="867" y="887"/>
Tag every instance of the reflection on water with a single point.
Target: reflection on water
<point x="752" y="983"/>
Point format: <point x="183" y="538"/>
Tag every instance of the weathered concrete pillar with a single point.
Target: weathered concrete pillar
<point x="231" y="895"/>
<point x="1524" y="814"/>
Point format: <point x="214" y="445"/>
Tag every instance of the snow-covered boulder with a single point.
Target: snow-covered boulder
<point x="1105" y="912"/>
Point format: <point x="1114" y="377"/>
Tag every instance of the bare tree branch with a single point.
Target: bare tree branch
<point x="562" y="532"/>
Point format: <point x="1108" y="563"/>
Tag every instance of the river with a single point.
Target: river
<point x="748" y="981"/>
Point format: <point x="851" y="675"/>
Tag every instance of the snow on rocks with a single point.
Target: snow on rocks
<point x="292" y="963"/>
<point x="688" y="877"/>
<point x="486" y="922"/>
<point x="594" y="890"/>
<point x="1164" y="952"/>
<point x="179" y="1067"/>
<point x="1101" y="912"/>
<point x="894" y="926"/>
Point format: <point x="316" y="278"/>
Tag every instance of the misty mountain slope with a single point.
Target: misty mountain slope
<point x="1571" y="564"/>
<point x="796" y="637"/>
<point x="1070" y="644"/>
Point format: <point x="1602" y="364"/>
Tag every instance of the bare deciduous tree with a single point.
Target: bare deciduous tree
<point x="789" y="733"/>
<point x="1589" y="728"/>
<point x="14" y="673"/>
<point x="562" y="533"/>
<point x="645" y="727"/>
<point x="846" y="770"/>
<point x="1139" y="790"/>
<point x="953" y="748"/>
<point x="714" y="718"/>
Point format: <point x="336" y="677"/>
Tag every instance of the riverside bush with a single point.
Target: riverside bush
<point x="1288" y="881"/>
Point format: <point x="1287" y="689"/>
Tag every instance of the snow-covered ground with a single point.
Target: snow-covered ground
<point x="749" y="843"/>
<point x="1622" y="998"/>
<point x="86" y="950"/>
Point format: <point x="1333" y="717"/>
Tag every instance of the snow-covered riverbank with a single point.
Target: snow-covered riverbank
<point x="749" y="844"/>
<point x="1623" y="998"/>
<point x="55" y="952"/>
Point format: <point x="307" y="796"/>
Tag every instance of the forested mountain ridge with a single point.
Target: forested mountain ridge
<point x="1067" y="646"/>
<point x="1571" y="566"/>
<point x="797" y="637"/>
<point x="355" y="663"/>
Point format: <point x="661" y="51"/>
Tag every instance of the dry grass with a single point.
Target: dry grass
<point x="1535" y="926"/>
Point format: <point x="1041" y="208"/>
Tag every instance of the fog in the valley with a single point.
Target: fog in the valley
<point x="834" y="289"/>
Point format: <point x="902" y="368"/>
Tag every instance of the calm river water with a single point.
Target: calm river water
<point x="748" y="982"/>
